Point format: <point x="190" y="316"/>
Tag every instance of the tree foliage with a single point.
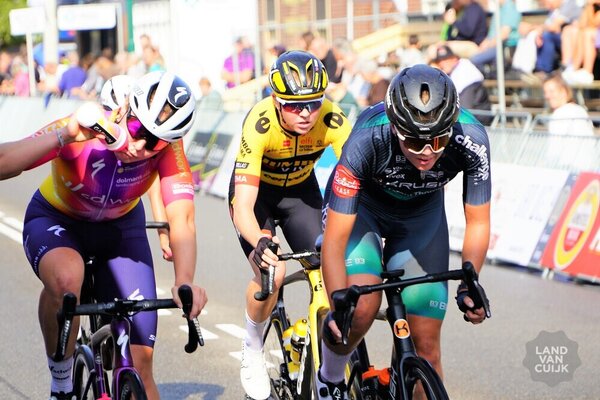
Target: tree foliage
<point x="6" y="39"/>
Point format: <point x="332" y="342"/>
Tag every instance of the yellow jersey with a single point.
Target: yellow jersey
<point x="272" y="155"/>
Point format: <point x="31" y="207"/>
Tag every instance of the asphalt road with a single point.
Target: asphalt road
<point x="480" y="362"/>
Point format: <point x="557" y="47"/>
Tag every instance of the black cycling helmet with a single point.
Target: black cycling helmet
<point x="421" y="101"/>
<point x="298" y="75"/>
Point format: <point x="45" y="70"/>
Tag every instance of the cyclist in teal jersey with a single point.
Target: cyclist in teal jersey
<point x="388" y="187"/>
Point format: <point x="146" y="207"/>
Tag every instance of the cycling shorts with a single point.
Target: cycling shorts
<point x="124" y="267"/>
<point x="416" y="240"/>
<point x="296" y="208"/>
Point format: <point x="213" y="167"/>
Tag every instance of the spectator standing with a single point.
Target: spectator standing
<point x="75" y="75"/>
<point x="510" y="18"/>
<point x="568" y="117"/>
<point x="239" y="67"/>
<point x="211" y="99"/>
<point x="379" y="80"/>
<point x="467" y="79"/>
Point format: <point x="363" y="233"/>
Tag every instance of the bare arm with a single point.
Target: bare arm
<point x="159" y="213"/>
<point x="182" y="235"/>
<point x="477" y="234"/>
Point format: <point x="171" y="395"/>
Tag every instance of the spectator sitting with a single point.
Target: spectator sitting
<point x="239" y="67"/>
<point x="580" y="40"/>
<point x="379" y="79"/>
<point x="466" y="27"/>
<point x="305" y="40"/>
<point x="510" y="18"/>
<point x="548" y="34"/>
<point x="211" y="99"/>
<point x="412" y="54"/>
<point x="467" y="79"/>
<point x="323" y="52"/>
<point x="567" y="117"/>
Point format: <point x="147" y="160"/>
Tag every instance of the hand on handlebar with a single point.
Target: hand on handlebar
<point x="467" y="306"/>
<point x="263" y="255"/>
<point x="199" y="299"/>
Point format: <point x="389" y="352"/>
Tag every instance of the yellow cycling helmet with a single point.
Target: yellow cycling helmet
<point x="298" y="75"/>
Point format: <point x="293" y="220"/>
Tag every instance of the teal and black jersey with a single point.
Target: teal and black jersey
<point x="373" y="170"/>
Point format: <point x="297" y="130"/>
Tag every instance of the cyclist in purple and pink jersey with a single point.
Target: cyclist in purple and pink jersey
<point x="89" y="206"/>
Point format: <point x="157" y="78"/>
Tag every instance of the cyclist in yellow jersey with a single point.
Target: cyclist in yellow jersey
<point x="282" y="138"/>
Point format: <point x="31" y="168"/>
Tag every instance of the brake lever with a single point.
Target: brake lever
<point x="267" y="277"/>
<point x="476" y="291"/>
<point x="195" y="337"/>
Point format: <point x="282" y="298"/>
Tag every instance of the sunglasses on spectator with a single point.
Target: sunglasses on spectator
<point x="297" y="107"/>
<point x="138" y="131"/>
<point x="418" y="145"/>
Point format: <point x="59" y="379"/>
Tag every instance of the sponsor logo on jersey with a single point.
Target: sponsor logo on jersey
<point x="262" y="124"/>
<point x="345" y="184"/>
<point x="241" y="165"/>
<point x="480" y="151"/>
<point x="333" y="120"/>
<point x="183" y="188"/>
<point x="286" y="143"/>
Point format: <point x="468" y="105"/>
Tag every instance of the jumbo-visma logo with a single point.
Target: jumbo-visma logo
<point x="577" y="225"/>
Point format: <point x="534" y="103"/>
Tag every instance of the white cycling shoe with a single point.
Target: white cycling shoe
<point x="253" y="373"/>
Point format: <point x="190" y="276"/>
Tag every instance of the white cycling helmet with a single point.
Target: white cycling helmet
<point x="157" y="90"/>
<point x="115" y="91"/>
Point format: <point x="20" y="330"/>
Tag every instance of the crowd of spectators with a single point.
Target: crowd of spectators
<point x="74" y="76"/>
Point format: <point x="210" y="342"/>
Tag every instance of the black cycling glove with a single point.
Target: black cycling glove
<point x="461" y="293"/>
<point x="261" y="247"/>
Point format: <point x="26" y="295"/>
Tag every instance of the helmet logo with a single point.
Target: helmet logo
<point x="181" y="91"/>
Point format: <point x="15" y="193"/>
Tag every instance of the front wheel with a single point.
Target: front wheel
<point x="417" y="369"/>
<point x="83" y="374"/>
<point x="129" y="386"/>
<point x="276" y="358"/>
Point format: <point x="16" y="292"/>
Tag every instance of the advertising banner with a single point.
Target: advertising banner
<point x="572" y="245"/>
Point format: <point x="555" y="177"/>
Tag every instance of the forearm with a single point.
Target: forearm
<point x="183" y="243"/>
<point x="333" y="267"/>
<point x="246" y="223"/>
<point x="16" y="157"/>
<point x="476" y="243"/>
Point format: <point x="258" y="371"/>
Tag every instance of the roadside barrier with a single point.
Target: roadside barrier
<point x="545" y="196"/>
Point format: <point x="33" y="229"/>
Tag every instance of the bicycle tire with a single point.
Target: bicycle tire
<point x="281" y="385"/>
<point x="358" y="364"/>
<point x="84" y="374"/>
<point x="419" y="370"/>
<point x="130" y="386"/>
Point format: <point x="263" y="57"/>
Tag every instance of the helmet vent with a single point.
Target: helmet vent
<point x="425" y="95"/>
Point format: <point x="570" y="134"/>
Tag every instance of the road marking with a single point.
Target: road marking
<point x="13" y="223"/>
<point x="11" y="233"/>
<point x="206" y="334"/>
<point x="233" y="330"/>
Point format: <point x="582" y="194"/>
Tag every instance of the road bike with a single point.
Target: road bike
<point x="103" y="364"/>
<point x="407" y="368"/>
<point x="293" y="364"/>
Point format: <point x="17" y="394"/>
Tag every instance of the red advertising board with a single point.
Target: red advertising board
<point x="574" y="244"/>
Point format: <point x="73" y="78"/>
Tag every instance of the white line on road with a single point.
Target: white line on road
<point x="233" y="330"/>
<point x="11" y="233"/>
<point x="206" y="334"/>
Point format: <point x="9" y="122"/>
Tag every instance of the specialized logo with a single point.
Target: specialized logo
<point x="122" y="341"/>
<point x="577" y="225"/>
<point x="552" y="358"/>
<point x="57" y="229"/>
<point x="181" y="91"/>
<point x="401" y="329"/>
<point x="345" y="184"/>
<point x="98" y="165"/>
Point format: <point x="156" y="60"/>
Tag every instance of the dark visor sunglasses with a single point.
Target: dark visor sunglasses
<point x="138" y="131"/>
<point x="297" y="107"/>
<point x="418" y="145"/>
